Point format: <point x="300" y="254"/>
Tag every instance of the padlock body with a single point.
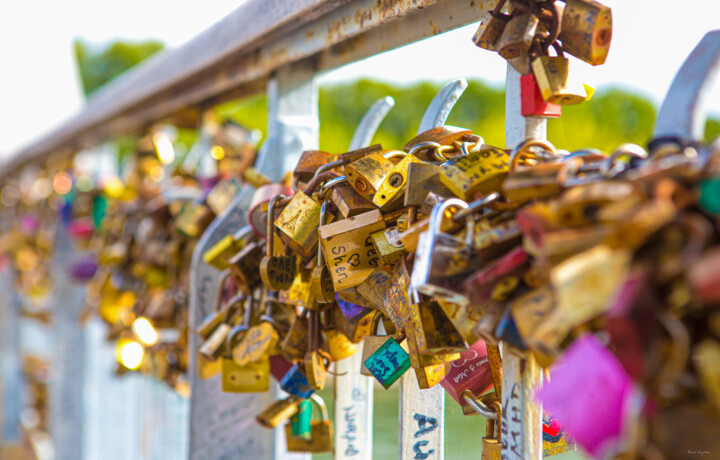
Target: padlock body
<point x="296" y="383"/>
<point x="490" y="30"/>
<point x="517" y="35"/>
<point x="532" y="103"/>
<point x="248" y="378"/>
<point x="388" y="363"/>
<point x="553" y="78"/>
<point x="586" y="30"/>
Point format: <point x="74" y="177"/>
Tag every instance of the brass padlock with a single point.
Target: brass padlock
<point x="552" y="74"/>
<point x="321" y="434"/>
<point x="253" y="377"/>
<point x="220" y="253"/>
<point x="298" y="224"/>
<point x="480" y="171"/>
<point x="391" y="191"/>
<point x="428" y="374"/>
<point x="372" y="291"/>
<point x="222" y="194"/>
<point x="372" y="342"/>
<point x="278" y="412"/>
<point x="433" y="331"/>
<point x="518" y="35"/>
<point x="388" y="245"/>
<point x="366" y="175"/>
<point x="321" y="281"/>
<point x="586" y="30"/>
<point x="491" y="28"/>
<point x="295" y="344"/>
<point x="348" y="248"/>
<point x="277" y="272"/>
<point x="244" y="267"/>
<point x="338" y="345"/>
<point x="348" y="202"/>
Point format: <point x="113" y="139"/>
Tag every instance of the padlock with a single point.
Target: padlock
<point x="321" y="281"/>
<point x="296" y="383"/>
<point x="443" y="261"/>
<point x="371" y="342"/>
<point x="518" y="35"/>
<point x="479" y="172"/>
<point x="479" y="287"/>
<point x="586" y="30"/>
<point x="532" y="103"/>
<point x="193" y="219"/>
<point x="388" y="363"/>
<point x="422" y="179"/>
<point x="277" y="272"/>
<point x="397" y="305"/>
<point x="220" y="253"/>
<point x="348" y="248"/>
<point x="253" y="377"/>
<point x="373" y="289"/>
<point x="338" y="345"/>
<point x="222" y="194"/>
<point x="278" y="412"/>
<point x="298" y="223"/>
<point x="294" y="346"/>
<point x="552" y="74"/>
<point x="366" y="175"/>
<point x="470" y="372"/>
<point x="308" y="164"/>
<point x="213" y="346"/>
<point x="491" y="28"/>
<point x="491" y="442"/>
<point x="433" y="332"/>
<point x="299" y="293"/>
<point x="536" y="181"/>
<point x="391" y="192"/>
<point x="348" y="202"/>
<point x="440" y="144"/>
<point x="429" y="369"/>
<point x="258" y="343"/>
<point x="463" y="318"/>
<point x="321" y="434"/>
<point x="388" y="245"/>
<point x="300" y="426"/>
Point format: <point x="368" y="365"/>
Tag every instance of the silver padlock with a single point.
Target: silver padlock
<point x="443" y="261"/>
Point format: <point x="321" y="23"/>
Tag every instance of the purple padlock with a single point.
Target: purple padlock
<point x="83" y="269"/>
<point x="350" y="310"/>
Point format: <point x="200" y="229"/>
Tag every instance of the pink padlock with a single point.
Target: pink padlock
<point x="81" y="228"/>
<point x="470" y="372"/>
<point x="259" y="204"/>
<point x="591" y="394"/>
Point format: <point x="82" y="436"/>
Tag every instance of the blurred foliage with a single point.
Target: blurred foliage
<point x="98" y="65"/>
<point x="612" y="117"/>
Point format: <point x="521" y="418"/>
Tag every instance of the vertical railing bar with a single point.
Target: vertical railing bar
<point x="522" y="415"/>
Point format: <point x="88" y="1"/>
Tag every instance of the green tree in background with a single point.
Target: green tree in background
<point x="99" y="65"/>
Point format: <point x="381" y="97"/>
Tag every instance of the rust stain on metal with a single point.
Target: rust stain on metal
<point x="309" y="34"/>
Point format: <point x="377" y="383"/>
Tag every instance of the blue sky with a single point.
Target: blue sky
<point x="651" y="39"/>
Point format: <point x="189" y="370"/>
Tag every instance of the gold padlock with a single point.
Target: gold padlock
<point x="433" y="332"/>
<point x="278" y="412"/>
<point x="295" y="345"/>
<point x="222" y="194"/>
<point x="348" y="248"/>
<point x="491" y="28"/>
<point x="298" y="224"/>
<point x="552" y="74"/>
<point x="372" y="291"/>
<point x="315" y="366"/>
<point x="348" y="202"/>
<point x="321" y="434"/>
<point x="586" y="30"/>
<point x="253" y="377"/>
<point x="391" y="191"/>
<point x="366" y="175"/>
<point x="518" y="35"/>
<point x="480" y="171"/>
<point x="338" y="345"/>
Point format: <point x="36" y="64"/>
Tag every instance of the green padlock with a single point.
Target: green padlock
<point x="389" y="362"/>
<point x="300" y="422"/>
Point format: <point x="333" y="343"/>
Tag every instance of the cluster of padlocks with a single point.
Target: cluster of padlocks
<point x="599" y="267"/>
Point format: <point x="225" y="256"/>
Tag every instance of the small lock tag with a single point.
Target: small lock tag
<point x="388" y="363"/>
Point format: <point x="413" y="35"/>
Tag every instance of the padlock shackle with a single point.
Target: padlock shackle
<point x="242" y="233"/>
<point x="523" y="148"/>
<point x="438" y="213"/>
<point x="476" y="206"/>
<point x="323" y="219"/>
<point x="442" y="104"/>
<point x="230" y="339"/>
<point x="270" y="242"/>
<point x="332" y="183"/>
<point x="479" y="406"/>
<point x="224" y="275"/>
<point x="321" y="404"/>
<point x="325" y="176"/>
<point x="370" y="122"/>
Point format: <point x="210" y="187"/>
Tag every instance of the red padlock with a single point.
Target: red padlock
<point x="470" y="372"/>
<point x="532" y="103"/>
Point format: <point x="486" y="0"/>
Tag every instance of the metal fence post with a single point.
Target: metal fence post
<point x="522" y="416"/>
<point x="223" y="424"/>
<point x="67" y="389"/>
